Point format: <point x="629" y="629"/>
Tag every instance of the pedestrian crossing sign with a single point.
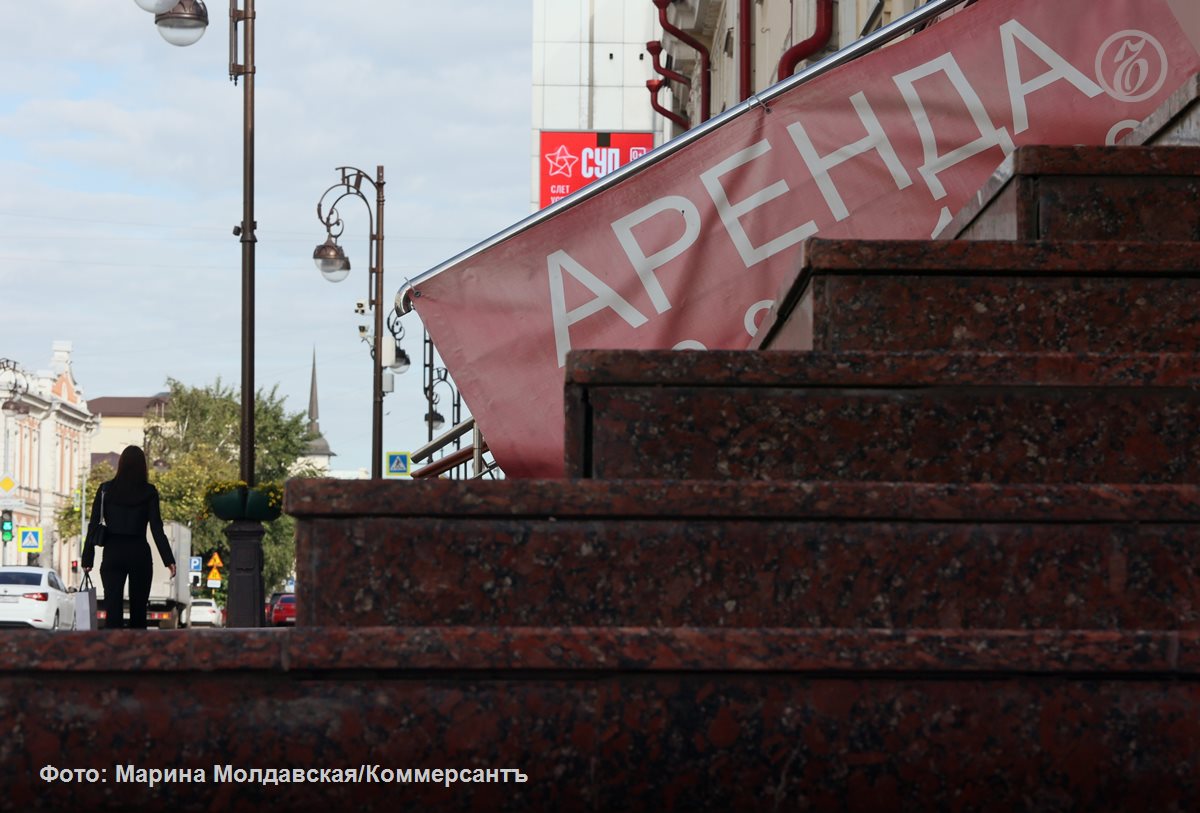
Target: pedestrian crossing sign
<point x="29" y="540"/>
<point x="398" y="464"/>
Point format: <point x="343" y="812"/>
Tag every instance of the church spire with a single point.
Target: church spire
<point x="318" y="450"/>
<point x="313" y="414"/>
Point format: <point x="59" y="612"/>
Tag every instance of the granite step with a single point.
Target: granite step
<point x="1176" y="122"/>
<point x="900" y="295"/>
<point x="756" y="554"/>
<point x="1086" y="193"/>
<point x="914" y="417"/>
<point x="685" y="720"/>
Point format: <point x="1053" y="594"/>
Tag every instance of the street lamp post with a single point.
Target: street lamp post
<point x="183" y="23"/>
<point x="435" y="376"/>
<point x="331" y="261"/>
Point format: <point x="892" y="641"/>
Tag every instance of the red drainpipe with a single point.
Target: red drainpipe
<point x="803" y="50"/>
<point x="689" y="40"/>
<point x="655" y="48"/>
<point x="654" y="86"/>
<point x="745" y="37"/>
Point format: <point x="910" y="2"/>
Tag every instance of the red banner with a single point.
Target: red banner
<point x="690" y="251"/>
<point x="572" y="160"/>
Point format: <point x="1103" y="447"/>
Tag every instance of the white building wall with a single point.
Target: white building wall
<point x="48" y="431"/>
<point x="114" y="434"/>
<point x="590" y="68"/>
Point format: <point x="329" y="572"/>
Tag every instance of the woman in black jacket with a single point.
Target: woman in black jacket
<point x="130" y="504"/>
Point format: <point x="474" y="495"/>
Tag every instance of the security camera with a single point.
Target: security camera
<point x="360" y="306"/>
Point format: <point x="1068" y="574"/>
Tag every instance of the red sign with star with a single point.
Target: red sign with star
<point x="572" y="160"/>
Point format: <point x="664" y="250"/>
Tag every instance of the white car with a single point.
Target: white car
<point x="205" y="613"/>
<point x="35" y="597"/>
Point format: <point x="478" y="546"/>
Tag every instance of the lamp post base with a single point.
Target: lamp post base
<point x="245" y="573"/>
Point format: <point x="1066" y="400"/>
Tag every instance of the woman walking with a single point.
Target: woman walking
<point x="129" y="504"/>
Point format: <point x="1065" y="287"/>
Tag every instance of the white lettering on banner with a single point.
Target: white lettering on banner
<point x="989" y="134"/>
<point x="875" y="139"/>
<point x="1132" y="66"/>
<point x="1120" y="129"/>
<point x="689" y="344"/>
<point x="1060" y="69"/>
<point x="730" y="213"/>
<point x="750" y="320"/>
<point x="599" y="161"/>
<point x="646" y="266"/>
<point x="606" y="297"/>
<point x="821" y="166"/>
<point x="944" y="218"/>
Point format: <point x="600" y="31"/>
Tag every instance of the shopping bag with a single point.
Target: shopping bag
<point x="85" y="604"/>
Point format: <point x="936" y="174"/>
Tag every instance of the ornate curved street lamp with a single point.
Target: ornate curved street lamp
<point x="331" y="261"/>
<point x="435" y="376"/>
<point x="400" y="362"/>
<point x="183" y="23"/>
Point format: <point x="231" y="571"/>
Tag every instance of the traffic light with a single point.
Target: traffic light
<point x="74" y="565"/>
<point x="6" y="526"/>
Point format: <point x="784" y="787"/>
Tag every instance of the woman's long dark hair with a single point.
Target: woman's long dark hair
<point x="132" y="474"/>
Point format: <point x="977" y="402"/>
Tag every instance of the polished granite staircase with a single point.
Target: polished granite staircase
<point x="934" y="550"/>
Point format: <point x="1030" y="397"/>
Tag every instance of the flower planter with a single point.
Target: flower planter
<point x="228" y="505"/>
<point x="258" y="506"/>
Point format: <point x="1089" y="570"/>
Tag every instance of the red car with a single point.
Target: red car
<point x="283" y="611"/>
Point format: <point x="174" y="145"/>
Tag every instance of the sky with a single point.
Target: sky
<point x="121" y="159"/>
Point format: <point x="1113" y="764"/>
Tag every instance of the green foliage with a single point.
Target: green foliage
<point x="198" y="439"/>
<point x="70" y="516"/>
<point x="182" y="487"/>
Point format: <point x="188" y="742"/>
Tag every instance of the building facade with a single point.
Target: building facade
<point x="48" y="429"/>
<point x="611" y="66"/>
<point x="590" y="68"/>
<point x="123" y="423"/>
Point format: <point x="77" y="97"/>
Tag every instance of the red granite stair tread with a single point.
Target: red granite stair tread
<point x="465" y="649"/>
<point x="748" y="368"/>
<point x="337" y="500"/>
<point x="1086" y="193"/>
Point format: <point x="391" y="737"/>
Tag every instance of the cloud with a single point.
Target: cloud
<point x="123" y="161"/>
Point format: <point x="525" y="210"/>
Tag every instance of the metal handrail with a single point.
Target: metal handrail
<point x="450" y="461"/>
<point x="896" y="29"/>
<point x="444" y="464"/>
<point x="442" y="441"/>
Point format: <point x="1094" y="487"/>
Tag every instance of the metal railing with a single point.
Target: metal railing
<point x="472" y="454"/>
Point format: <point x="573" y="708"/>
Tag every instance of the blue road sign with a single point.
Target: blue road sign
<point x="29" y="540"/>
<point x="195" y="564"/>
<point x="398" y="464"/>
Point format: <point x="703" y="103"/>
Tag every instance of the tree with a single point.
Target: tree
<point x="196" y="442"/>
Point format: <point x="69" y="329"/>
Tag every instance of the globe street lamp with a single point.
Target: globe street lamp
<point x="331" y="261"/>
<point x="183" y="23"/>
<point x="400" y="362"/>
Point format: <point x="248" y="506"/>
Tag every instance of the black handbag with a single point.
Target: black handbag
<point x="95" y="534"/>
